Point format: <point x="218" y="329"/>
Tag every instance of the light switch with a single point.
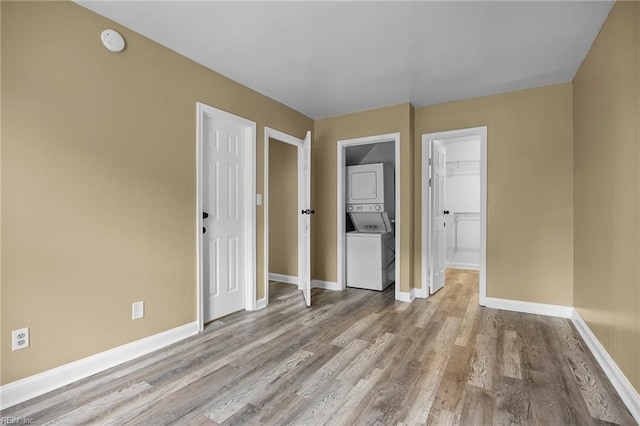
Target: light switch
<point x="137" y="310"/>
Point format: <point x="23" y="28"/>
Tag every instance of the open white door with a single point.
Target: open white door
<point x="438" y="245"/>
<point x="226" y="229"/>
<point x="304" y="225"/>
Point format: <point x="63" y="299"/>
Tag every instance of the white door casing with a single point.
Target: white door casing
<point x="226" y="190"/>
<point x="438" y="240"/>
<point x="304" y="205"/>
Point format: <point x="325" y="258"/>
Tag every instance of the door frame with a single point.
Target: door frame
<point x="270" y="133"/>
<point x="341" y="235"/>
<point x="426" y="258"/>
<point x="249" y="141"/>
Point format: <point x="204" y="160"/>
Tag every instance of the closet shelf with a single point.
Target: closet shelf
<point x="465" y="163"/>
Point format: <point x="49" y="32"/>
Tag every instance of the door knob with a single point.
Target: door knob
<point x="446" y="212"/>
<point x="205" y="215"/>
<point x="204" y="230"/>
<point x="308" y="211"/>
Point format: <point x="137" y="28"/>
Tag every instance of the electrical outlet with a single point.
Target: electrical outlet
<point x="137" y="310"/>
<point x="20" y="339"/>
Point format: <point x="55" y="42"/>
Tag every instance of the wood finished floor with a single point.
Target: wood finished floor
<point x="355" y="357"/>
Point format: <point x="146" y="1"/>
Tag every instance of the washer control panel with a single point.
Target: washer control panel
<point x="365" y="208"/>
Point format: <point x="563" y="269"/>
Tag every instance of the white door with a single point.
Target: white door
<point x="304" y="225"/>
<point x="438" y="246"/>
<point x="224" y="261"/>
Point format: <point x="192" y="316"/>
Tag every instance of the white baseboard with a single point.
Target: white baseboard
<point x="261" y="303"/>
<point x="287" y="279"/>
<point x="421" y="293"/>
<point x="625" y="389"/>
<point x="406" y="296"/>
<point x="24" y="389"/>
<point x="327" y="285"/>
<point x="482" y="300"/>
<point x="530" y="307"/>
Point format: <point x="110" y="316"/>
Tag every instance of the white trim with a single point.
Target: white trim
<point x="420" y="293"/>
<point x="625" y="389"/>
<point x="404" y="296"/>
<point x="199" y="248"/>
<point x="530" y="307"/>
<point x="250" y="203"/>
<point x="327" y="285"/>
<point x="270" y="133"/>
<point x="482" y="297"/>
<point x="261" y="304"/>
<point x="427" y="138"/>
<point x="425" y="220"/>
<point x="30" y="387"/>
<point x="287" y="279"/>
<point x="341" y="235"/>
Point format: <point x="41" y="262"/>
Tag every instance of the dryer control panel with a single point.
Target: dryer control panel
<point x="364" y="208"/>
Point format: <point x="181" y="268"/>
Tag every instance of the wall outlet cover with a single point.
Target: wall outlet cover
<point x="20" y="339"/>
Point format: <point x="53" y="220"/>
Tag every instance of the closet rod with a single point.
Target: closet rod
<point x="464" y="163"/>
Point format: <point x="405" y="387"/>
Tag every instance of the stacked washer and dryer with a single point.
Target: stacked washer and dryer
<point x="370" y="203"/>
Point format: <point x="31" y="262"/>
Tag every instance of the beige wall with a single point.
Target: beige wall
<point x="1" y="330"/>
<point x="283" y="208"/>
<point x="324" y="153"/>
<point x="98" y="189"/>
<point x="529" y="189"/>
<point x="606" y="96"/>
<point x="98" y="184"/>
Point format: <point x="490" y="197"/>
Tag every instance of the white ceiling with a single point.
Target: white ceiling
<point x="330" y="58"/>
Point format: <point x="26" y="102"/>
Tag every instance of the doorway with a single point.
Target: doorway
<point x="302" y="214"/>
<point x="283" y="214"/>
<point x="225" y="223"/>
<point x="454" y="203"/>
<point x="364" y="148"/>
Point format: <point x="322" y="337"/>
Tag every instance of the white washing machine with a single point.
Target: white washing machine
<point x="370" y="260"/>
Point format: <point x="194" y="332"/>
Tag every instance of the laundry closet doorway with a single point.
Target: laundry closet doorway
<point x="383" y="152"/>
